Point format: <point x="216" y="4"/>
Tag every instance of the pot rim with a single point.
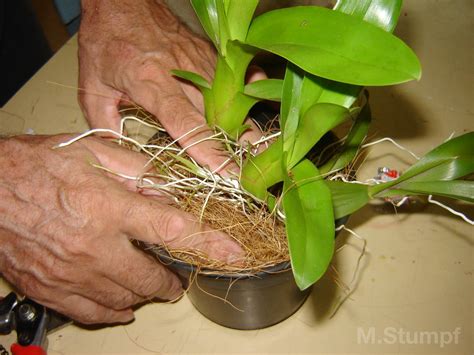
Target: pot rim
<point x="162" y="254"/>
<point x="167" y="260"/>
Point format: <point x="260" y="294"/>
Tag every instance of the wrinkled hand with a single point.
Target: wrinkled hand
<point x="65" y="227"/>
<point x="127" y="49"/>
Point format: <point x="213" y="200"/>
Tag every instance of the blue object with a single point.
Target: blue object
<point x="70" y="13"/>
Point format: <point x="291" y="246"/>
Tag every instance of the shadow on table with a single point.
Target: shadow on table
<point x="326" y="295"/>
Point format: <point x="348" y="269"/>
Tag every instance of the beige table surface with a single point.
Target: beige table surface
<point x="417" y="273"/>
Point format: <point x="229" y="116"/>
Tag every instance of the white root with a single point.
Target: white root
<point x="398" y="145"/>
<point x="453" y="211"/>
<point x="208" y="183"/>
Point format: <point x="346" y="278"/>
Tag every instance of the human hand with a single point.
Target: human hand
<point x="127" y="50"/>
<point x="66" y="225"/>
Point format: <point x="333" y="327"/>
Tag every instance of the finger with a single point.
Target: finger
<point x="118" y="159"/>
<point x="195" y="135"/>
<point x="252" y="134"/>
<point x="182" y="120"/>
<point x="100" y="102"/>
<point x="86" y="311"/>
<point x="104" y="291"/>
<point x="55" y="276"/>
<point x="255" y="73"/>
<point x="141" y="274"/>
<point x="125" y="166"/>
<point x="156" y="223"/>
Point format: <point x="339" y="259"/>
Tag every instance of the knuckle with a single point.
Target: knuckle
<point x="149" y="284"/>
<point x="105" y="297"/>
<point x="148" y="68"/>
<point x="172" y="225"/>
<point x="122" y="49"/>
<point x="57" y="271"/>
<point x="157" y="283"/>
<point x="119" y="300"/>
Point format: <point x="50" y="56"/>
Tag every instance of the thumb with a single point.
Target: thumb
<point x="153" y="222"/>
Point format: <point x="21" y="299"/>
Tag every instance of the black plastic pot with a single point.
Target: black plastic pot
<point x="242" y="301"/>
<point x="246" y="301"/>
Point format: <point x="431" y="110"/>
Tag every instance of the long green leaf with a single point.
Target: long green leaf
<point x="239" y="15"/>
<point x="206" y="10"/>
<point x="224" y="34"/>
<point x="335" y="46"/>
<point x="458" y="189"/>
<point x="347" y="197"/>
<point x="309" y="223"/>
<point x="450" y="160"/>
<point x="300" y="92"/>
<point x="459" y="149"/>
<point x="316" y="122"/>
<point x="290" y="105"/>
<point x="267" y="89"/>
<point x="381" y="13"/>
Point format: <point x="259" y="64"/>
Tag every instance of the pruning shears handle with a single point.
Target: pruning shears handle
<point x="31" y="321"/>
<point x="18" y="349"/>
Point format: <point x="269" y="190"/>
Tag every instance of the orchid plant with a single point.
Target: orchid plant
<point x="332" y="54"/>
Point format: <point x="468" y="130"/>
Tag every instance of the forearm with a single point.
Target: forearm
<point x="14" y="211"/>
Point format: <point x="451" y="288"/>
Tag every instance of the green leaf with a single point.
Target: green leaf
<point x="458" y="189"/>
<point x="224" y="34"/>
<point x="309" y="223"/>
<point x="300" y="92"/>
<point x="450" y="160"/>
<point x="206" y="10"/>
<point x="227" y="5"/>
<point x="347" y="197"/>
<point x="335" y="46"/>
<point x="317" y="121"/>
<point x="352" y="143"/>
<point x="212" y="15"/>
<point x="291" y="101"/>
<point x="333" y="92"/>
<point x="194" y="78"/>
<point x="228" y="106"/>
<point x="239" y="15"/>
<point x="381" y="13"/>
<point x="262" y="171"/>
<point x="238" y="57"/>
<point x="267" y="89"/>
<point x="458" y="154"/>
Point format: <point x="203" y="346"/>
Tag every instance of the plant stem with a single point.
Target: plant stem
<point x="227" y="105"/>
